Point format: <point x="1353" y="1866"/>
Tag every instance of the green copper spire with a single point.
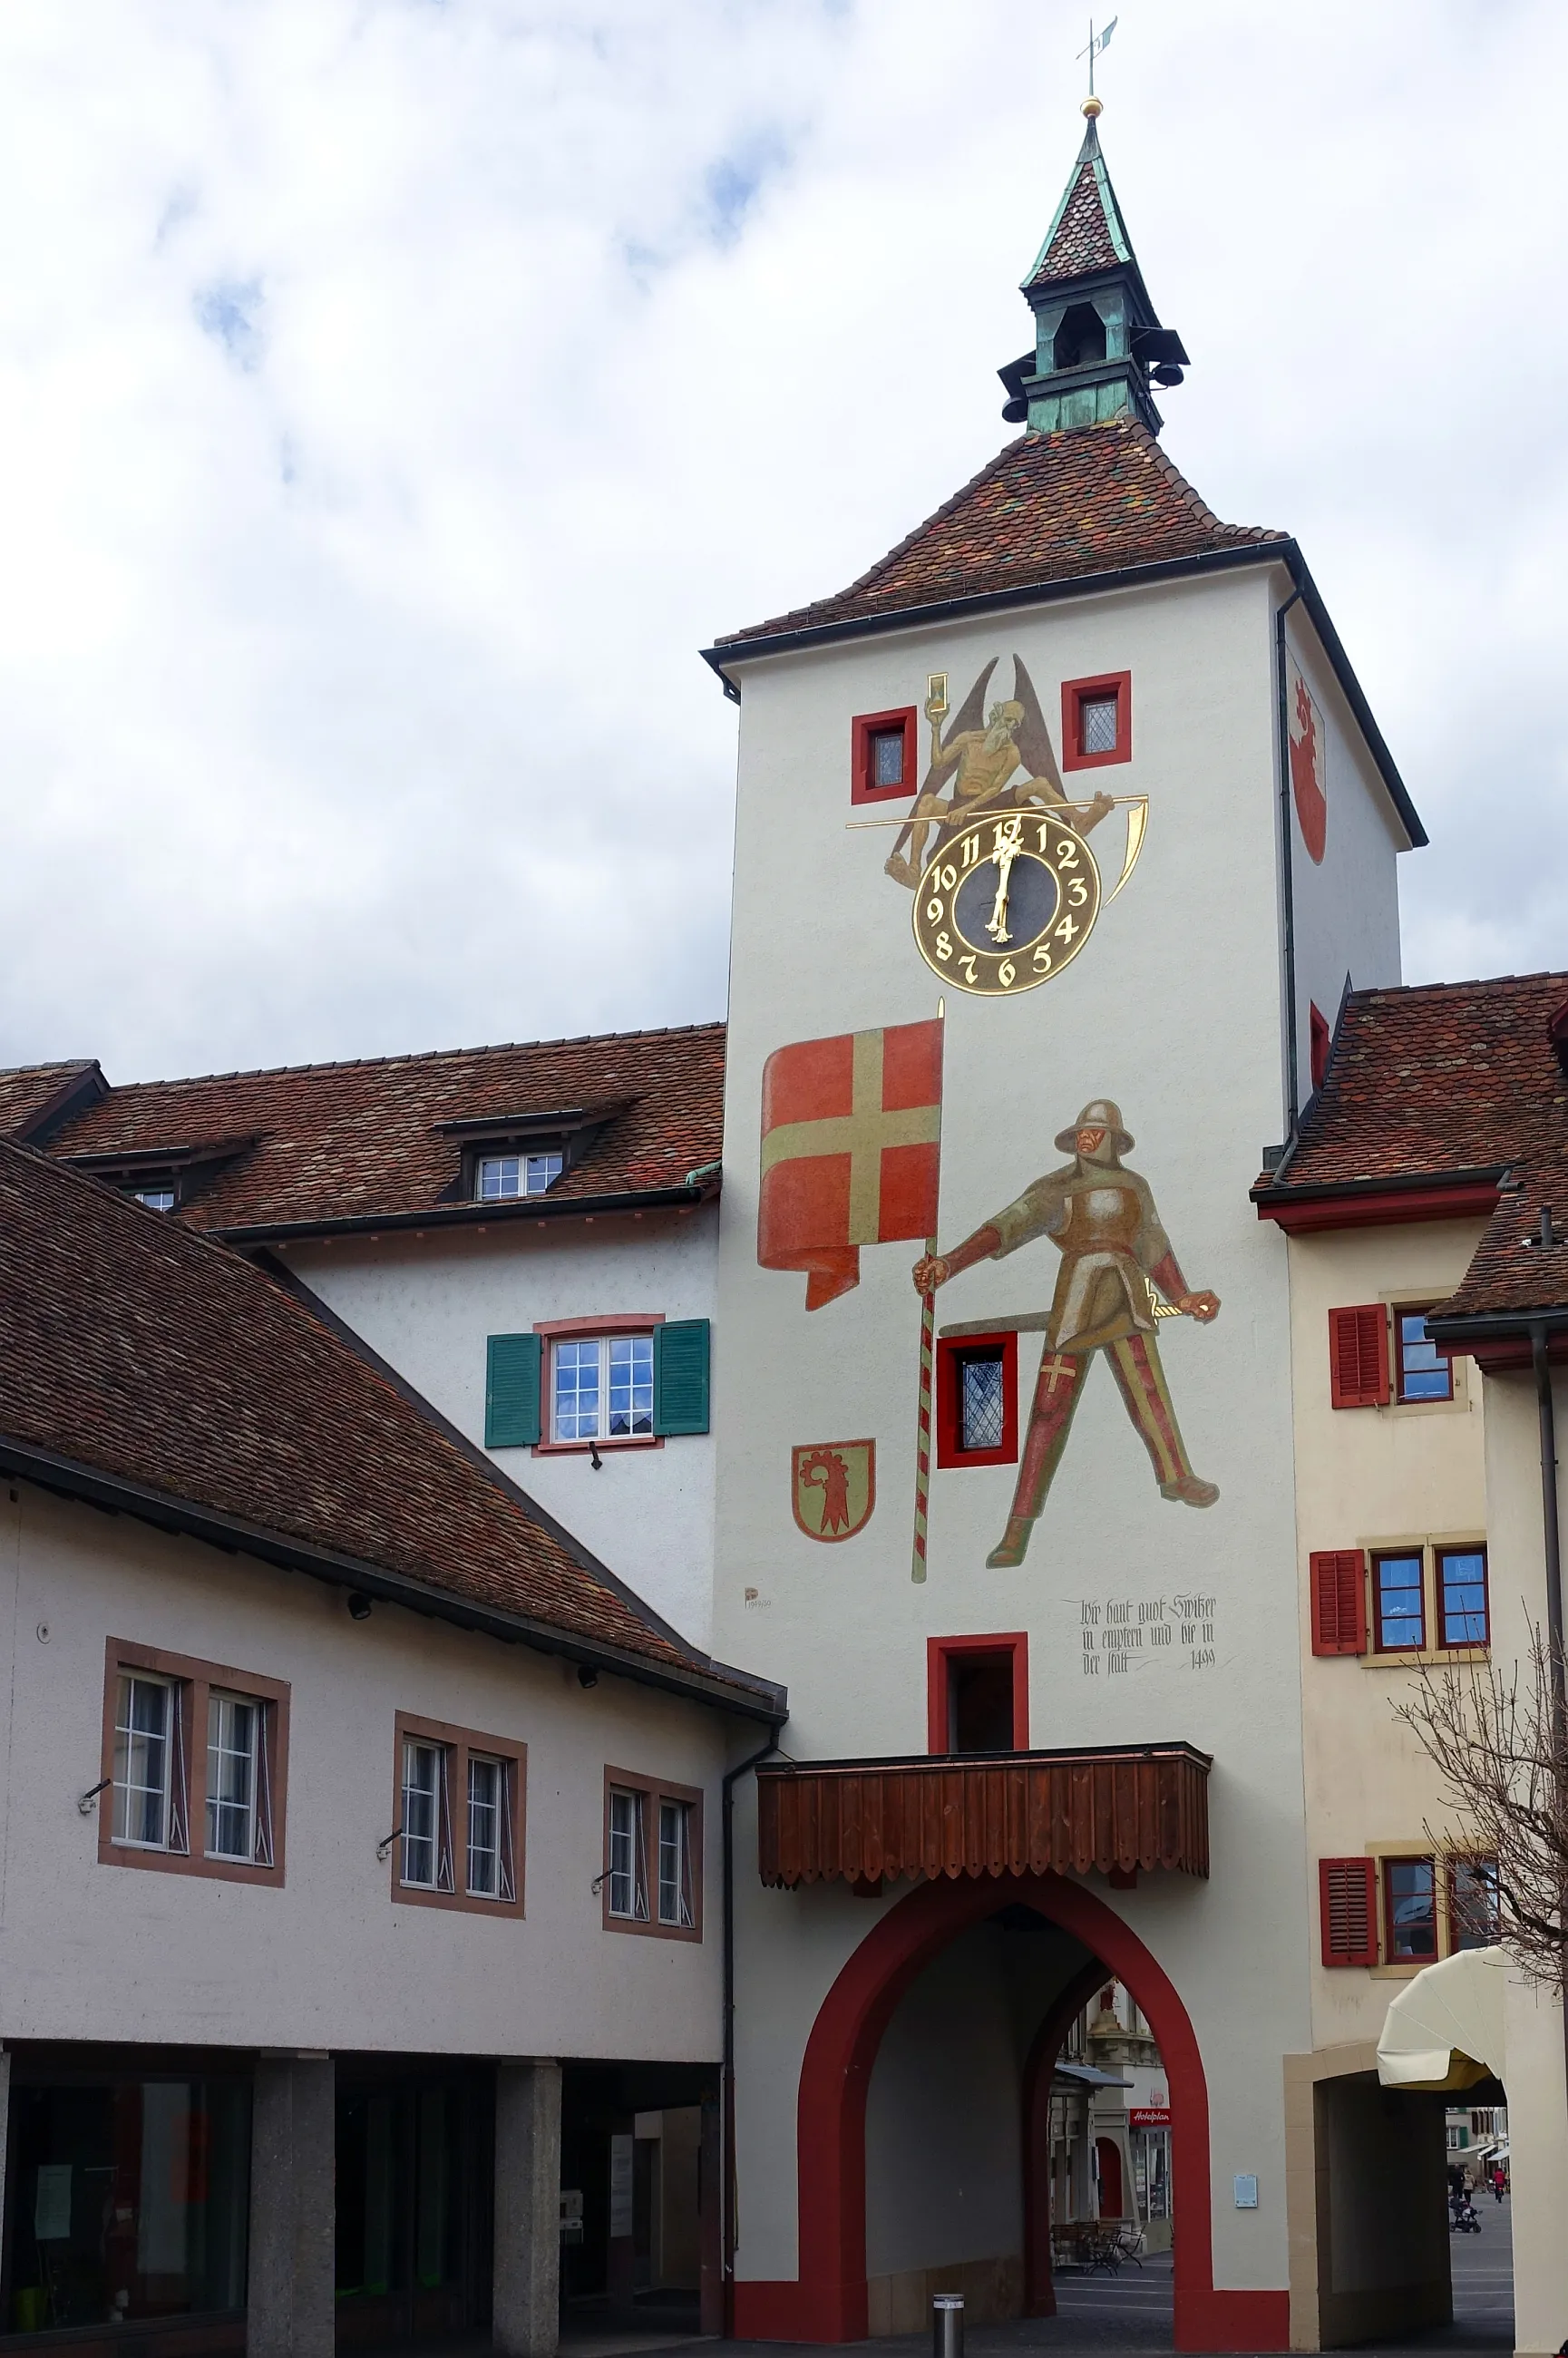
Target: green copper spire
<point x="1097" y="340"/>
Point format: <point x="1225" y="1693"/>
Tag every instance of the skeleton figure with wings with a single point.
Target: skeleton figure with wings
<point x="997" y="760"/>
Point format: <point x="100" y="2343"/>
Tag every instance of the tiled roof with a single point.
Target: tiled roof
<point x="1435" y="1079"/>
<point x="133" y="1347"/>
<point x="364" y="1141"/>
<point x="27" y="1091"/>
<point x="1049" y="507"/>
<point x="1511" y="1270"/>
<point x="1082" y="239"/>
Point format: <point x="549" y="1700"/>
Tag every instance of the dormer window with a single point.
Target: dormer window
<point x="502" y="1178"/>
<point x="158" y="1196"/>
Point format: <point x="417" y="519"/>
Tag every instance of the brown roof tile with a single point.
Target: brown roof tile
<point x="362" y="1140"/>
<point x="135" y="1348"/>
<point x="29" y="1093"/>
<point x="1082" y="240"/>
<point x="1049" y="507"/>
<point x="1435" y="1079"/>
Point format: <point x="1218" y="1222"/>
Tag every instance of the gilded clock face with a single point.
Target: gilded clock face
<point x="1008" y="900"/>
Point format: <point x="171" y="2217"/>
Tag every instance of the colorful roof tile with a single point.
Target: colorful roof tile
<point x="1048" y="507"/>
<point x="1088" y="233"/>
<point x="367" y="1140"/>
<point x="135" y="1349"/>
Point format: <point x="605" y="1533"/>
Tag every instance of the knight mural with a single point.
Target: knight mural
<point x="1117" y="1277"/>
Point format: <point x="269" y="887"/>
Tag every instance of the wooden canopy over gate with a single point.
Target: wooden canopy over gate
<point x="1117" y="1809"/>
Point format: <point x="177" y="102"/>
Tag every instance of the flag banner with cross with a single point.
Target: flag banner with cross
<point x="851" y="1147"/>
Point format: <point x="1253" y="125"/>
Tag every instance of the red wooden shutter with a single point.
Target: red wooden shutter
<point x="1348" y="1895"/>
<point x="1358" y="1356"/>
<point x="1339" y="1601"/>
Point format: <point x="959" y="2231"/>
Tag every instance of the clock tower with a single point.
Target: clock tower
<point x="1060" y="833"/>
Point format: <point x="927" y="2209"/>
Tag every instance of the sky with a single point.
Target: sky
<point x="397" y="394"/>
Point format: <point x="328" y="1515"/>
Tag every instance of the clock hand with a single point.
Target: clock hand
<point x="1005" y="854"/>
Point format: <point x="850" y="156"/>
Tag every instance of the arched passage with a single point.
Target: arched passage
<point x="828" y="2302"/>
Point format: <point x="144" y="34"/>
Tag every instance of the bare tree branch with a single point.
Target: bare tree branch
<point x="1504" y="1776"/>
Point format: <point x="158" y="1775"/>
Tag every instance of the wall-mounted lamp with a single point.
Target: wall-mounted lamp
<point x="586" y="1677"/>
<point x="85" y="1801"/>
<point x="383" y="1847"/>
<point x="594" y="1459"/>
<point x="358" y="1606"/>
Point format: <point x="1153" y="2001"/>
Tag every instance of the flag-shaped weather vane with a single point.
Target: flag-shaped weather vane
<point x="1097" y="42"/>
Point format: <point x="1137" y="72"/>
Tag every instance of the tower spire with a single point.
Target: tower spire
<point x="1098" y="339"/>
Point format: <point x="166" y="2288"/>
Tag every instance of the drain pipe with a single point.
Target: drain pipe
<point x="1553" y="1534"/>
<point x="727" y="2231"/>
<point x="1287" y="882"/>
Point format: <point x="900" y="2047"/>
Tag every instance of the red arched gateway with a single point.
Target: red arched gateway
<point x="828" y="2301"/>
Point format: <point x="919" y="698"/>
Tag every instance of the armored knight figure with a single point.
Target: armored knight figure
<point x="1116" y="1264"/>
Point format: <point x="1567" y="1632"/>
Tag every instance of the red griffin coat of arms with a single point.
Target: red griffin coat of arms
<point x="1304" y="722"/>
<point x="833" y="1487"/>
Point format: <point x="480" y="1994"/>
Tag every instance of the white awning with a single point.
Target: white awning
<point x="1445" y="2028"/>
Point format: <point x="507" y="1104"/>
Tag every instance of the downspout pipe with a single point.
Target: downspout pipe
<point x="1287" y="877"/>
<point x="727" y="2254"/>
<point x="1551" y="1533"/>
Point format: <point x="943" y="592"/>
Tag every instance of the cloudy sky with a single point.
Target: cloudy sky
<point x="394" y="395"/>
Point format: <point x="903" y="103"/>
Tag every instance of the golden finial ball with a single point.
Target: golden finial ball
<point x="1092" y="107"/>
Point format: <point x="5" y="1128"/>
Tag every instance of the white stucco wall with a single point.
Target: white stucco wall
<point x="91" y="1951"/>
<point x="1172" y="1010"/>
<point x="426" y="1304"/>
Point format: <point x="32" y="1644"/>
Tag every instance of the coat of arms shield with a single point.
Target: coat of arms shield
<point x="833" y="1487"/>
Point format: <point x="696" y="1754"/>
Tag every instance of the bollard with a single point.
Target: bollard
<point x="947" y="2325"/>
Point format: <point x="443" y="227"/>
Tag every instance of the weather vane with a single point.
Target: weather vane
<point x="1097" y="41"/>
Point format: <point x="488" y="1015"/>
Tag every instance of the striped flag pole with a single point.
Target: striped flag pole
<point x="923" y="1431"/>
<point x="927" y="1349"/>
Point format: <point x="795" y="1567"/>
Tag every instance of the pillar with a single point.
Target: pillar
<point x="290" y="2309"/>
<point x="526" y="2312"/>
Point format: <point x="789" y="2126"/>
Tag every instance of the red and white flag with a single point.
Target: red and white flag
<point x="851" y="1142"/>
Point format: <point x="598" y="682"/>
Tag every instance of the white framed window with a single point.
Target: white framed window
<point x="628" y="1877"/>
<point x="490" y="1819"/>
<point x="159" y="1197"/>
<point x="602" y="1388"/>
<point x="674" y="1864"/>
<point x="427" y="1816"/>
<point x="150" y="1767"/>
<point x="502" y="1178"/>
<point x="239" y="1812"/>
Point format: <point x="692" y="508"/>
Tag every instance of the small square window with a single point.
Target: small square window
<point x="1098" y="717"/>
<point x="1410" y="1909"/>
<point x="1399" y="1602"/>
<point x="1097" y="720"/>
<point x="1462" y="1615"/>
<point x="1425" y="1371"/>
<point x="976" y="1400"/>
<point x="882" y="755"/>
<point x="505" y="1178"/>
<point x="602" y="1388"/>
<point x="159" y="1197"/>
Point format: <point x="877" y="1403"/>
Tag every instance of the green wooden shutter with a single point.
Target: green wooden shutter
<point x="512" y="1391"/>
<point x="680" y="1376"/>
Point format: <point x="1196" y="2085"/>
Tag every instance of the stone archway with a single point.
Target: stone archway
<point x="828" y="2301"/>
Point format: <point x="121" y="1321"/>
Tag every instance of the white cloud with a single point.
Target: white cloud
<point x="393" y="396"/>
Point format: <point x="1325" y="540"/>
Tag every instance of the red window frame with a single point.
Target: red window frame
<point x="951" y="1350"/>
<point x="1416" y="1555"/>
<point x="1390" y="1942"/>
<point x="940" y="1652"/>
<point x="862" y="729"/>
<point x="1076" y="694"/>
<point x="1399" y="1313"/>
<point x="1440" y="1637"/>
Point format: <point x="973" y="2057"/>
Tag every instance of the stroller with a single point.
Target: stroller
<point x="1463" y="2218"/>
